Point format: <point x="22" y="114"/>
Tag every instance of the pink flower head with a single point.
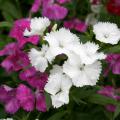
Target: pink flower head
<point x="54" y="12"/>
<point x="109" y="91"/>
<point x="111" y="108"/>
<point x="18" y="30"/>
<point x="63" y="1"/>
<point x="25" y="97"/>
<point x="9" y="49"/>
<point x="8" y="97"/>
<point x="113" y="61"/>
<point x="16" y="61"/>
<point x="76" y="24"/>
<point x="36" y="5"/>
<point x="34" y="78"/>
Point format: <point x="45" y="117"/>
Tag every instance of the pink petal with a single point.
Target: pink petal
<point x="16" y="62"/>
<point x="34" y="78"/>
<point x="12" y="106"/>
<point x="9" y="49"/>
<point x="36" y="5"/>
<point x="40" y="102"/>
<point x="26" y="97"/>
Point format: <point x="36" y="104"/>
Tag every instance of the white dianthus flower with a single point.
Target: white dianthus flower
<point x="60" y="41"/>
<point x="58" y="86"/>
<point x="37" y="26"/>
<point x="38" y="59"/>
<point x="82" y="74"/>
<point x="87" y="53"/>
<point x="107" y="32"/>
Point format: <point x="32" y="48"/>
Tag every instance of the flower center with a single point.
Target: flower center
<point x="82" y="67"/>
<point x="106" y="35"/>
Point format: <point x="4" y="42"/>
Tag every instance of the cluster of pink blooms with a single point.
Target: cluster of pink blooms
<point x="17" y="61"/>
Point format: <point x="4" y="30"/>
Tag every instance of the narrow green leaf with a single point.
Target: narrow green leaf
<point x="101" y="100"/>
<point x="5" y="24"/>
<point x="48" y="101"/>
<point x="117" y="112"/>
<point x="57" y="116"/>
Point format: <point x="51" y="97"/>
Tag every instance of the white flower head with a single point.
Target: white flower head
<point x="58" y="86"/>
<point x="60" y="41"/>
<point x="107" y="32"/>
<point x="87" y="53"/>
<point x="38" y="59"/>
<point x="82" y="74"/>
<point x="37" y="26"/>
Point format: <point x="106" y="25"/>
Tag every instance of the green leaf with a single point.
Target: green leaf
<point x="101" y="100"/>
<point x="57" y="116"/>
<point x="113" y="49"/>
<point x="5" y="24"/>
<point x="117" y="112"/>
<point x="48" y="101"/>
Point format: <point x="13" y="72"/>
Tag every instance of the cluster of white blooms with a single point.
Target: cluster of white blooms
<point x="82" y="67"/>
<point x="107" y="32"/>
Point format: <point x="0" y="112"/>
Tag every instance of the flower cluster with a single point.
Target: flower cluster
<point x="60" y="58"/>
<point x="78" y="68"/>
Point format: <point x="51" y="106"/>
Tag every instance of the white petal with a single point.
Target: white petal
<point x="70" y="70"/>
<point x="54" y="84"/>
<point x="41" y="64"/>
<point x="66" y="83"/>
<point x="60" y="99"/>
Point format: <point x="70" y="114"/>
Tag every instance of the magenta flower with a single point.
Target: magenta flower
<point x="53" y="12"/>
<point x="111" y="108"/>
<point x="17" y="33"/>
<point x="25" y="97"/>
<point x="109" y="91"/>
<point x="22" y="97"/>
<point x="63" y="1"/>
<point x="113" y="61"/>
<point x="36" y="5"/>
<point x="16" y="61"/>
<point x="34" y="78"/>
<point x="9" y="49"/>
<point x="8" y="97"/>
<point x="76" y="24"/>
